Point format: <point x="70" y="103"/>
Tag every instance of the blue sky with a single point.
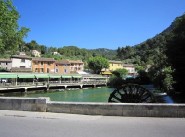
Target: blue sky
<point x="95" y="24"/>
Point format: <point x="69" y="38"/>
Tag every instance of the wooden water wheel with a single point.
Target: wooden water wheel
<point x="131" y="93"/>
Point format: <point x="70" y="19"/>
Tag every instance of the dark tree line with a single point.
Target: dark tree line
<point x="163" y="57"/>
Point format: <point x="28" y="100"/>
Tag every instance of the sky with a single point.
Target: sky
<point x="95" y="24"/>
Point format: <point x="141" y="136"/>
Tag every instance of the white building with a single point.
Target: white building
<point x="21" y="63"/>
<point x="56" y="53"/>
<point x="35" y="53"/>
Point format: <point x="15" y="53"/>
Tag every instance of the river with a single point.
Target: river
<point x="80" y="95"/>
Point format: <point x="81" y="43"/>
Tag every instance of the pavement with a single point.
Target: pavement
<point x="45" y="115"/>
<point x="45" y="124"/>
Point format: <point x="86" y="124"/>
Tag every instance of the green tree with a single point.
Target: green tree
<point x="120" y="73"/>
<point x="11" y="35"/>
<point x="97" y="63"/>
<point x="175" y="52"/>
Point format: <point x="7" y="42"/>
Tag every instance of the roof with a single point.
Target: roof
<point x="43" y="59"/>
<point x="62" y="62"/>
<point x="5" y="60"/>
<point x="116" y="62"/>
<point x="21" y="57"/>
<point x="75" y="61"/>
<point x="128" y="65"/>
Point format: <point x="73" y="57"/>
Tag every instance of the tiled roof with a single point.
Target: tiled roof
<point x="75" y="61"/>
<point x="5" y="60"/>
<point x="62" y="62"/>
<point x="21" y="56"/>
<point x="43" y="59"/>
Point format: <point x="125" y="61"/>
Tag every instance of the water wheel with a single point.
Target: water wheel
<point x="131" y="93"/>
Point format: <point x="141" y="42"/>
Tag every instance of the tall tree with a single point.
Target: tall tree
<point x="11" y="35"/>
<point x="97" y="63"/>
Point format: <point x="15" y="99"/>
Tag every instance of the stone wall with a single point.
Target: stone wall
<point x="106" y="109"/>
<point x="23" y="104"/>
<point x="119" y="109"/>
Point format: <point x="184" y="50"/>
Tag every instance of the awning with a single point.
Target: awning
<point x="55" y="76"/>
<point x="66" y="76"/>
<point x="77" y="76"/>
<point x="41" y="75"/>
<point x="8" y="75"/>
<point x="26" y="76"/>
<point x="106" y="73"/>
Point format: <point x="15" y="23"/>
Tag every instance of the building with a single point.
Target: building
<point x="35" y="53"/>
<point x="113" y="65"/>
<point x="21" y="63"/>
<point x="55" y="53"/>
<point x="62" y="67"/>
<point x="76" y="65"/>
<point x="130" y="68"/>
<point x="5" y="64"/>
<point x="43" y="65"/>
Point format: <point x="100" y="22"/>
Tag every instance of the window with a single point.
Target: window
<point x="36" y="62"/>
<point x="42" y="70"/>
<point x="42" y="63"/>
<point x="65" y="70"/>
<point x="48" y="70"/>
<point x="23" y="60"/>
<point x="56" y="70"/>
<point x="36" y="70"/>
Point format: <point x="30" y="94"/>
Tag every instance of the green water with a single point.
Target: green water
<point x="78" y="95"/>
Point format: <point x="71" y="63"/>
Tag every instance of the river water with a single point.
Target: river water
<point x="75" y="95"/>
<point x="80" y="95"/>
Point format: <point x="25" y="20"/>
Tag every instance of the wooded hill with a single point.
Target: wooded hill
<point x="163" y="56"/>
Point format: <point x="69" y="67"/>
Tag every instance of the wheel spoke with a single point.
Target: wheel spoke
<point x="131" y="93"/>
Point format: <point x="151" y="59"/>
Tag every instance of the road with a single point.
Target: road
<point x="42" y="124"/>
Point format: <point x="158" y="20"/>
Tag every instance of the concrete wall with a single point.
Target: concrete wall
<point x="24" y="104"/>
<point x="119" y="109"/>
<point x="106" y="109"/>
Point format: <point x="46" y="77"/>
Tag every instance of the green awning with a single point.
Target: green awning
<point x="66" y="76"/>
<point x="8" y="76"/>
<point x="26" y="76"/>
<point x="41" y="75"/>
<point x="77" y="76"/>
<point x="55" y="76"/>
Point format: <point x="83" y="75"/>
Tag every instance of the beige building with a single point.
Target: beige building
<point x="76" y="65"/>
<point x="62" y="67"/>
<point x="130" y="68"/>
